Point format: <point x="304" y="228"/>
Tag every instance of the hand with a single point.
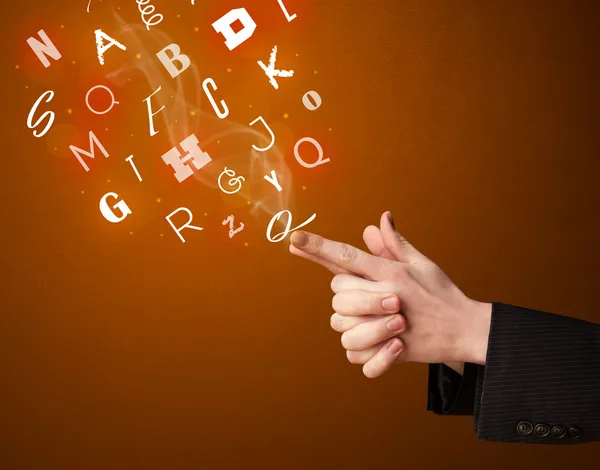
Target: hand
<point x="442" y="324"/>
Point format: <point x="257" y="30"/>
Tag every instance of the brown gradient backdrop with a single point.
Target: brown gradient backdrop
<point x="475" y="122"/>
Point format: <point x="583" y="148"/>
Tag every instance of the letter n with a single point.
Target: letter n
<point x="43" y="49"/>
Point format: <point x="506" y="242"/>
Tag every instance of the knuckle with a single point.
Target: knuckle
<point x="373" y="303"/>
<point x="333" y="321"/>
<point x="336" y="302"/>
<point x="354" y="357"/>
<point x="335" y="283"/>
<point x="346" y="340"/>
<point x="317" y="243"/>
<point x="347" y="254"/>
<point x="338" y="323"/>
<point x="399" y="274"/>
<point x="370" y="372"/>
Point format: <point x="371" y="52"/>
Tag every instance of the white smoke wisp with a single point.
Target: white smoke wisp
<point x="183" y="115"/>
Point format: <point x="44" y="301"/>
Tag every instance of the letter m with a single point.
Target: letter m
<point x="79" y="152"/>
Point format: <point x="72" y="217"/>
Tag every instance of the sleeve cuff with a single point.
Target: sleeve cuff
<point x="451" y="393"/>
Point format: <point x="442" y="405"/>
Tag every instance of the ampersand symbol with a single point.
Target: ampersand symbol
<point x="232" y="182"/>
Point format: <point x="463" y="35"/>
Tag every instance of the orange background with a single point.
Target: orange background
<point x="476" y="123"/>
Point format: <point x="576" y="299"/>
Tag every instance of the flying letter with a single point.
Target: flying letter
<point x="102" y="48"/>
<point x="169" y="62"/>
<point x="43" y="49"/>
<point x="49" y="115"/>
<point x="233" y="39"/>
<point x="272" y="72"/>
<point x="107" y="211"/>
<point x="91" y="154"/>
<point x="188" y="224"/>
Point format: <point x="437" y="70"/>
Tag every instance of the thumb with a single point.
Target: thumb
<point x="397" y="245"/>
<point x="374" y="242"/>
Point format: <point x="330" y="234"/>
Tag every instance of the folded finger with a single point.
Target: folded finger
<point x="383" y="359"/>
<point x="364" y="302"/>
<point x="342" y="282"/>
<point x="362" y="357"/>
<point x="343" y="323"/>
<point x="365" y="335"/>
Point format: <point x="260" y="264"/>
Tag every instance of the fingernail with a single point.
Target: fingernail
<point x="299" y="239"/>
<point x="390" y="303"/>
<point x="395" y="324"/>
<point x="391" y="219"/>
<point x="395" y="346"/>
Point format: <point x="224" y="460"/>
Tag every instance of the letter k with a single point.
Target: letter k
<point x="272" y="72"/>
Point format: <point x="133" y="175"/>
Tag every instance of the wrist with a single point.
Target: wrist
<point x="476" y="332"/>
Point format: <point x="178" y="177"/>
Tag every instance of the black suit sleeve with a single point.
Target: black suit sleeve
<point x="540" y="384"/>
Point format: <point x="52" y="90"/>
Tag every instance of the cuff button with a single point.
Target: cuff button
<point x="524" y="428"/>
<point x="575" y="432"/>
<point x="541" y="430"/>
<point x="559" y="432"/>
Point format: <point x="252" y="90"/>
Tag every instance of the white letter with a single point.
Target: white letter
<point x="47" y="115"/>
<point x="169" y="62"/>
<point x="211" y="82"/>
<point x="308" y="104"/>
<point x="151" y="114"/>
<point x="223" y="26"/>
<point x="232" y="182"/>
<point x="77" y="151"/>
<point x="273" y="180"/>
<point x="186" y="225"/>
<point x="319" y="161"/>
<point x="287" y="15"/>
<point x="260" y="118"/>
<point x="87" y="100"/>
<point x="232" y="232"/>
<point x="130" y="160"/>
<point x="108" y="213"/>
<point x="43" y="49"/>
<point x="271" y="72"/>
<point x="288" y="229"/>
<point x="194" y="153"/>
<point x="102" y="48"/>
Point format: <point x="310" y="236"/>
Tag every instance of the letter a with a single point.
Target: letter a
<point x="102" y="48"/>
<point x="169" y="62"/>
<point x="233" y="39"/>
<point x="43" y="49"/>
<point x="91" y="154"/>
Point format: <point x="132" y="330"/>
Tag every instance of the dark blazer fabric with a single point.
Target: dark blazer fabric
<point x="540" y="384"/>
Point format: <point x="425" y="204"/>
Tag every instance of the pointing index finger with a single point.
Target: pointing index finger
<point x="341" y="254"/>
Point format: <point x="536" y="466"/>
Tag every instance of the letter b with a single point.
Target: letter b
<point x="169" y="62"/>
